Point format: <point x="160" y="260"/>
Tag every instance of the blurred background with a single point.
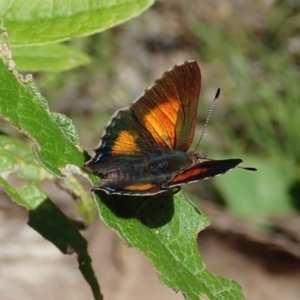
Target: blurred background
<point x="251" y="50"/>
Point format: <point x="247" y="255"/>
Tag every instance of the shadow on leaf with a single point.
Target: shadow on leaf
<point x="152" y="211"/>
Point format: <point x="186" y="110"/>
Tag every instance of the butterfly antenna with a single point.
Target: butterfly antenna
<point x="208" y="117"/>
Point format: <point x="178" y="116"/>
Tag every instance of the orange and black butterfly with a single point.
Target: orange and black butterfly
<point x="144" y="148"/>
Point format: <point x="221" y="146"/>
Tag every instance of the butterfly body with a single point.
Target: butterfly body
<point x="144" y="148"/>
<point x="157" y="170"/>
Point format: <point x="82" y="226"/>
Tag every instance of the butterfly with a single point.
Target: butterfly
<point x="144" y="148"/>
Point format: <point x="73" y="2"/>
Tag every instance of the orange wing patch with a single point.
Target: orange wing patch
<point x="125" y="143"/>
<point x="188" y="174"/>
<point x="161" y="122"/>
<point x="139" y="187"/>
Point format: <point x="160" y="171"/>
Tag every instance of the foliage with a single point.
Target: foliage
<point x="261" y="118"/>
<point x="164" y="227"/>
<point x="42" y="22"/>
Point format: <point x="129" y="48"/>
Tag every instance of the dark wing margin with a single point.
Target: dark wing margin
<point x="203" y="170"/>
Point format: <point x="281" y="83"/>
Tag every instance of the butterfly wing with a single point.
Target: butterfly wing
<point x="123" y="143"/>
<point x="203" y="170"/>
<point x="168" y="109"/>
<point x="133" y="189"/>
<point x="163" y="118"/>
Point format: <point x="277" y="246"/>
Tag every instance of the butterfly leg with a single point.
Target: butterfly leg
<point x="176" y="189"/>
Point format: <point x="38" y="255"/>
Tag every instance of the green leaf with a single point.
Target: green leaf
<point x="82" y="200"/>
<point x="55" y="137"/>
<point x="26" y="109"/>
<point x="53" y="58"/>
<point x="256" y="195"/>
<point x="66" y="127"/>
<point x="165" y="230"/>
<point x="6" y="161"/>
<point x="29" y="197"/>
<point x="39" y="22"/>
<point x="16" y="156"/>
<point x="53" y="225"/>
